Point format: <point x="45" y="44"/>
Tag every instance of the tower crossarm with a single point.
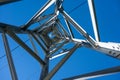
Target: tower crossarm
<point x="110" y="48"/>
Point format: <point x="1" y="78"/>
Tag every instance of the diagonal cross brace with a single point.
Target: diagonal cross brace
<point x="21" y="43"/>
<point x="42" y="10"/>
<point x="59" y="65"/>
<point x="79" y="28"/>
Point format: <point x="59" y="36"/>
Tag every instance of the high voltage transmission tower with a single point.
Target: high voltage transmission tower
<point x="54" y="38"/>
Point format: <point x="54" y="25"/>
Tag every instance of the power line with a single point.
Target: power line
<point x="3" y="67"/>
<point x="75" y="8"/>
<point x="13" y="49"/>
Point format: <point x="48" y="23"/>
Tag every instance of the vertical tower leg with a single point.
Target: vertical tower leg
<point x="9" y="58"/>
<point x="45" y="69"/>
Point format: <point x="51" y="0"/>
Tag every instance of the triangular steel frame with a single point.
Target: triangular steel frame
<point x="111" y="49"/>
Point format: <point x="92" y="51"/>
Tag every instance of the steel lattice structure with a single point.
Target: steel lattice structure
<point x="53" y="38"/>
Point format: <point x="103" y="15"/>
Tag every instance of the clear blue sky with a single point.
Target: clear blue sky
<point x="83" y="60"/>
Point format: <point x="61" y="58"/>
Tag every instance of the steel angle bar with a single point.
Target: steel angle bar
<point x="58" y="5"/>
<point x="79" y="28"/>
<point x="99" y="73"/>
<point x="45" y="69"/>
<point x="58" y="55"/>
<point x="43" y="17"/>
<point x="42" y="42"/>
<point x="50" y="21"/>
<point x="109" y="48"/>
<point x="38" y="29"/>
<point x="26" y="47"/>
<point x="32" y="42"/>
<point x="57" y="48"/>
<point x="69" y="29"/>
<point x="35" y="37"/>
<point x="43" y="9"/>
<point x="61" y="26"/>
<point x="46" y="25"/>
<point x="83" y="42"/>
<point x="9" y="58"/>
<point x="58" y="66"/>
<point x="94" y="19"/>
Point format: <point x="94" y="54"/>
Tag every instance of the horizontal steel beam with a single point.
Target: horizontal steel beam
<point x="15" y="29"/>
<point x="109" y="48"/>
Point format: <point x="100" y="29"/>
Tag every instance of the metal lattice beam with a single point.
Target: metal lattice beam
<point x="60" y="37"/>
